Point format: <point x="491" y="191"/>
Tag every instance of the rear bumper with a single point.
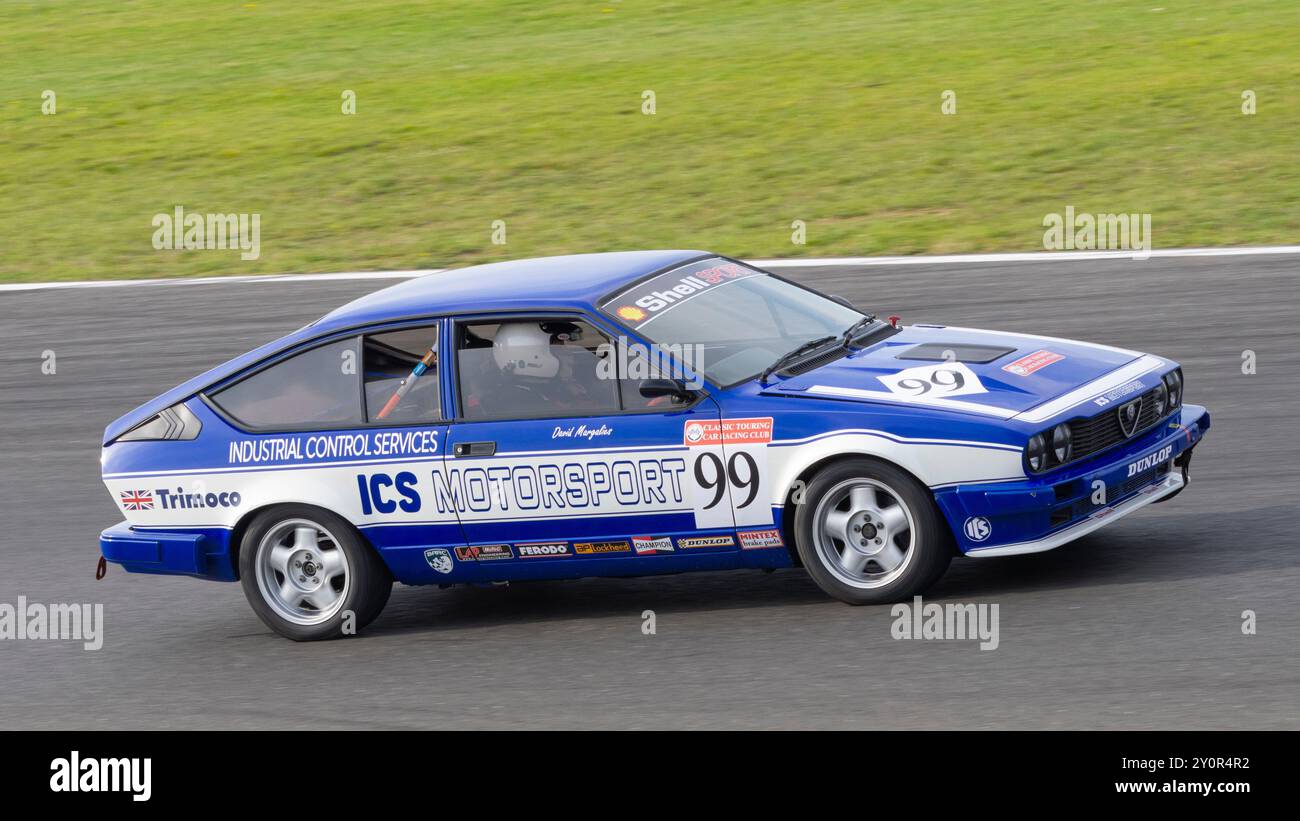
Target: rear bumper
<point x="191" y="553"/>
<point x="1043" y="513"/>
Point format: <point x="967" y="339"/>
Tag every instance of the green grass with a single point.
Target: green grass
<point x="528" y="111"/>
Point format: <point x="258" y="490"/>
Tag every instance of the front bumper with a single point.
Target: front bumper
<point x="1041" y="513"/>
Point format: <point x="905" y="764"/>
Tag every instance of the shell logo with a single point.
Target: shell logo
<point x="631" y="312"/>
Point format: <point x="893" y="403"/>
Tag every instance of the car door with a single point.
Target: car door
<point x="403" y="392"/>
<point x="555" y="460"/>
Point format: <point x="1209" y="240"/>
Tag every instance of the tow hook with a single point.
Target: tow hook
<point x="1184" y="461"/>
<point x="101" y="569"/>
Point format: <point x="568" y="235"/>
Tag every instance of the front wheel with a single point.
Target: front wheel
<point x="868" y="533"/>
<point x="309" y="576"/>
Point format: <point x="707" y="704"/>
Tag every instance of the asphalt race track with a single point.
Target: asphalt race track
<point x="1137" y="626"/>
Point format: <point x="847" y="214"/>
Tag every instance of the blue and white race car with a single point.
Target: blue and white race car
<point x="630" y="414"/>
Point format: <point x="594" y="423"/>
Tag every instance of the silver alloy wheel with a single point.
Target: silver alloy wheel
<point x="864" y="533"/>
<point x="302" y="572"/>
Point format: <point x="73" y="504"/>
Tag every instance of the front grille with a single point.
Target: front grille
<point x="1097" y="433"/>
<point x="1143" y="479"/>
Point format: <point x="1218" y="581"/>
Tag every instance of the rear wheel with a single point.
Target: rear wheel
<point x="870" y="534"/>
<point x="309" y="576"/>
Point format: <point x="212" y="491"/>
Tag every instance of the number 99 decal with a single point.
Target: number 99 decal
<point x="941" y="380"/>
<point x="741" y="471"/>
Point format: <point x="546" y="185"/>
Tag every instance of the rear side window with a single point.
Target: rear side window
<point x="401" y="376"/>
<point x="316" y="387"/>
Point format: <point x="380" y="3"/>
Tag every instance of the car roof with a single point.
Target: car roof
<point x="567" y="282"/>
<point x="574" y="281"/>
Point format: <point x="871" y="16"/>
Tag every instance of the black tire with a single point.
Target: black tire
<point x="927" y="539"/>
<point x="353" y="603"/>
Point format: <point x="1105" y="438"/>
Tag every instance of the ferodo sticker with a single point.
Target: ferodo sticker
<point x="942" y="381"/>
<point x="535" y="550"/>
<point x="1037" y="360"/>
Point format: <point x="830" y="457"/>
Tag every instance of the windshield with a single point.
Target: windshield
<point x="737" y="320"/>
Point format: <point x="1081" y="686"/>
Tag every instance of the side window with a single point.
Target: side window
<point x="637" y="367"/>
<point x="543" y="367"/>
<point x="315" y="387"/>
<point x="400" y="372"/>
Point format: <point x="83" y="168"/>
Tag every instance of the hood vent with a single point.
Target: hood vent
<point x="956" y="351"/>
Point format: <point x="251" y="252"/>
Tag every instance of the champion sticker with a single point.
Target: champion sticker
<point x="649" y="545"/>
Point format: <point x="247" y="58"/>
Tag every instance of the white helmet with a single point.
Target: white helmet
<point x="524" y="349"/>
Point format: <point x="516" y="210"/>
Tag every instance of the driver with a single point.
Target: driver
<point x="526" y="354"/>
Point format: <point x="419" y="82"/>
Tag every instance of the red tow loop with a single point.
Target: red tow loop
<point x="893" y="320"/>
<point x="101" y="569"/>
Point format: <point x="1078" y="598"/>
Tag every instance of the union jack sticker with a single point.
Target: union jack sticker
<point x="137" y="499"/>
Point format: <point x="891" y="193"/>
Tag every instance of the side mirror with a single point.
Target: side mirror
<point x="839" y="299"/>
<point x="654" y="388"/>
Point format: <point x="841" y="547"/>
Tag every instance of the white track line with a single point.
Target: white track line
<point x="949" y="259"/>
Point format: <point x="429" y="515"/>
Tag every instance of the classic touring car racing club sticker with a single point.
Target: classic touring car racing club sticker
<point x="1037" y="360"/>
<point x="756" y="431"/>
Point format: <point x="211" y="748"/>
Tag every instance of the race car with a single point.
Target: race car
<point x="630" y="414"/>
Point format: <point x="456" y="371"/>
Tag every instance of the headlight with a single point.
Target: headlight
<point x="1061" y="443"/>
<point x="1160" y="396"/>
<point x="1036" y="452"/>
<point x="1173" y="383"/>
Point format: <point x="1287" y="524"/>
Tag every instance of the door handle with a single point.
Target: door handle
<point x="474" y="448"/>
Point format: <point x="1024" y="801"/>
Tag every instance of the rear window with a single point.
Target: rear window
<point x="316" y="387"/>
<point x="398" y="390"/>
